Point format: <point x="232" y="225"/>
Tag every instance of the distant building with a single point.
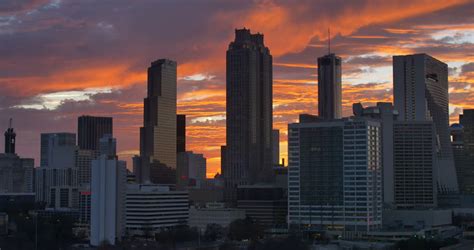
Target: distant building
<point x="213" y="213"/>
<point x="276" y="147"/>
<point x="334" y="175"/>
<point x="151" y="207"/>
<point x="414" y="164"/>
<point x="108" y="146"/>
<point x="420" y="89"/>
<point x="385" y="113"/>
<point x="64" y="197"/>
<point x="83" y="159"/>
<point x="46" y="179"/>
<point x="180" y="133"/>
<point x="249" y="112"/>
<point x="57" y="150"/>
<point x="107" y="200"/>
<point x="329" y="87"/>
<point x="265" y="204"/>
<point x="158" y="134"/>
<point x="90" y="129"/>
<point x="191" y="170"/>
<point x="462" y="142"/>
<point x="85" y="206"/>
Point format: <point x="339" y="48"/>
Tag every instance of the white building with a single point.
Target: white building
<point x="214" y="213"/>
<point x="154" y="207"/>
<point x="107" y="197"/>
<point x="334" y="176"/>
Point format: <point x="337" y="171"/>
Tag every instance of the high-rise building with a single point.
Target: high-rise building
<point x="420" y="87"/>
<point x="248" y="112"/>
<point x="463" y="147"/>
<point x="90" y="129"/>
<point x="276" y="147"/>
<point x="385" y="113"/>
<point x="158" y="134"/>
<point x="10" y="139"/>
<point x="58" y="150"/>
<point x="180" y="133"/>
<point x="329" y="87"/>
<point x="334" y="175"/>
<point x="191" y="170"/>
<point x="108" y="146"/>
<point x="107" y="200"/>
<point x="414" y="160"/>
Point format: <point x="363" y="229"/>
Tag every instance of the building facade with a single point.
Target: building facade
<point x="334" y="175"/>
<point x="180" y="133"/>
<point x="48" y="178"/>
<point x="213" y="213"/>
<point x="385" y="113"/>
<point x="414" y="164"/>
<point x="248" y="112"/>
<point x="329" y="87"/>
<point x="16" y="174"/>
<point x="191" y="169"/>
<point x="420" y="87"/>
<point x="151" y="207"/>
<point x="90" y="129"/>
<point x="57" y="150"/>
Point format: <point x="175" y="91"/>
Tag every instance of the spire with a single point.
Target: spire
<point x="10" y="124"/>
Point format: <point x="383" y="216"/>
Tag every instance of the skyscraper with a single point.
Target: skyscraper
<point x="329" y="87"/>
<point x="334" y="175"/>
<point x="249" y="111"/>
<point x="10" y="139"/>
<point x="385" y="113"/>
<point x="465" y="154"/>
<point x="276" y="147"/>
<point x="90" y="129"/>
<point x="414" y="171"/>
<point x="180" y="133"/>
<point x="158" y="134"/>
<point x="420" y="87"/>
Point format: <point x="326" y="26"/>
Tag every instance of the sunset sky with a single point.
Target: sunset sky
<point x="61" y="59"/>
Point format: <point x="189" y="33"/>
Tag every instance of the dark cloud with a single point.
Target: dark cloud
<point x="467" y="68"/>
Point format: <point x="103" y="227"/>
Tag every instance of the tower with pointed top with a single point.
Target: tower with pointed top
<point x="329" y="85"/>
<point x="10" y="139"/>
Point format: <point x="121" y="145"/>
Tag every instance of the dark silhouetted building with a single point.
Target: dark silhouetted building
<point x="90" y="129"/>
<point x="463" y="147"/>
<point x="420" y="88"/>
<point x="329" y="87"/>
<point x="10" y="139"/>
<point x="249" y="112"/>
<point x="158" y="134"/>
<point x="180" y="133"/>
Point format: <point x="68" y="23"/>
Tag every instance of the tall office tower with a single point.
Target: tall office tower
<point x="466" y="166"/>
<point x="414" y="157"/>
<point x="107" y="200"/>
<point x="90" y="129"/>
<point x="158" y="134"/>
<point x="385" y="113"/>
<point x="191" y="169"/>
<point x="334" y="175"/>
<point x="58" y="150"/>
<point x="329" y="87"/>
<point x="180" y="133"/>
<point x="276" y="147"/>
<point x="420" y="87"/>
<point x="249" y="111"/>
<point x="10" y="139"/>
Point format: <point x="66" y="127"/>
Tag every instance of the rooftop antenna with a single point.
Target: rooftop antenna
<point x="329" y="41"/>
<point x="10" y="123"/>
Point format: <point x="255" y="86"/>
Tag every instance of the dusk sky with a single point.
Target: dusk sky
<point x="61" y="59"/>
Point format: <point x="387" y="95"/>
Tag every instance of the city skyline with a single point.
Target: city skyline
<point x="82" y="77"/>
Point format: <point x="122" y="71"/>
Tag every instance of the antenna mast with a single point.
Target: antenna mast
<point x="10" y="124"/>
